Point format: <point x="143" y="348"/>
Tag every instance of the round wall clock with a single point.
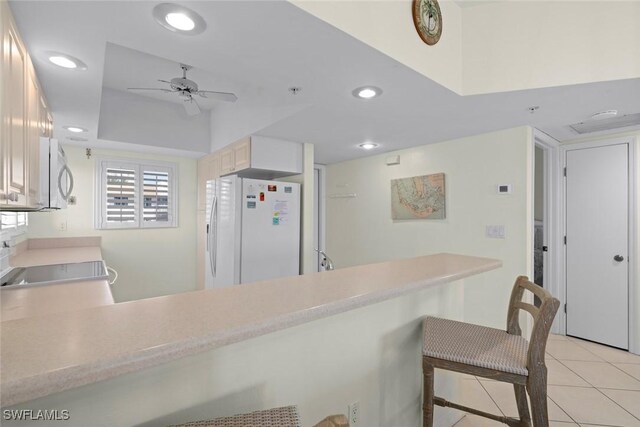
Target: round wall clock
<point x="428" y="20"/>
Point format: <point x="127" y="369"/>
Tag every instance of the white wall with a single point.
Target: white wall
<point x="150" y="262"/>
<point x="499" y="46"/>
<point x="230" y="123"/>
<point x="132" y="118"/>
<point x="512" y="45"/>
<point x="307" y="210"/>
<point x="360" y="230"/>
<point x="370" y="355"/>
<point x="388" y="27"/>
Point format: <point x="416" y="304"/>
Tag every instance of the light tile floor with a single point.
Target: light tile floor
<point x="589" y="385"/>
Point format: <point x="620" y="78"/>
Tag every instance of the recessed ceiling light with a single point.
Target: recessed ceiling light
<point x="604" y="115"/>
<point x="368" y="145"/>
<point x="179" y="19"/>
<point x="366" y="92"/>
<point x="66" y="61"/>
<point x="61" y="61"/>
<point x="74" y="129"/>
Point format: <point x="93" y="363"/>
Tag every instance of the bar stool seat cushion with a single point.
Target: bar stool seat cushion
<point x="277" y="417"/>
<point x="475" y="345"/>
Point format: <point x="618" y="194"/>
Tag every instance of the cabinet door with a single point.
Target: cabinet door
<point x="227" y="161"/>
<point x="214" y="166"/>
<point x="33" y="138"/>
<point x="49" y="125"/>
<point x="4" y="102"/>
<point x="203" y="174"/>
<point x="14" y="91"/>
<point x="44" y="118"/>
<point x="242" y="154"/>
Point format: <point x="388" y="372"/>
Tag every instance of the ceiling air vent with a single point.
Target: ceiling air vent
<point x="607" y="124"/>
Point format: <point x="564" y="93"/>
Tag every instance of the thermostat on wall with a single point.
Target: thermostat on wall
<point x="504" y="188"/>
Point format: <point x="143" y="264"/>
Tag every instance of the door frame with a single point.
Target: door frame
<point x="320" y="214"/>
<point x="552" y="216"/>
<point x="633" y="291"/>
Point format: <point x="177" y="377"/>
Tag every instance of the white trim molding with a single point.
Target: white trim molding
<point x="552" y="214"/>
<point x="138" y="167"/>
<point x="634" y="206"/>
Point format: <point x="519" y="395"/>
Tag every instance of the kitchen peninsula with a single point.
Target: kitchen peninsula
<point x="320" y="341"/>
<point x="18" y="302"/>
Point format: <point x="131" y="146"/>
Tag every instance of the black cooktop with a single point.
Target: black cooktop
<point x="46" y="274"/>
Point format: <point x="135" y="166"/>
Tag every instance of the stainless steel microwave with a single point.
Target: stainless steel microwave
<point x="56" y="179"/>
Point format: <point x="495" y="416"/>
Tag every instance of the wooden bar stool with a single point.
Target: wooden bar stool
<point x="286" y="416"/>
<point x="496" y="354"/>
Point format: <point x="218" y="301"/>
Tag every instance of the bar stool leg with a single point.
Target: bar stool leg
<point x="537" y="388"/>
<point x="427" y="406"/>
<point x="523" y="406"/>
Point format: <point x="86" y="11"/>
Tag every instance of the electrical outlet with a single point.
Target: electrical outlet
<point x="354" y="414"/>
<point x="62" y="226"/>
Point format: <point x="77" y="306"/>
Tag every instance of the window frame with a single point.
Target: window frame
<point x="138" y="166"/>
<point x="10" y="232"/>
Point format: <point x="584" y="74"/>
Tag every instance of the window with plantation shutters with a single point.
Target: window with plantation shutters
<point x="155" y="196"/>
<point x="135" y="195"/>
<point x="121" y="195"/>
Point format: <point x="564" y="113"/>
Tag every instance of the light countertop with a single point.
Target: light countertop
<point x="47" y="354"/>
<point x="22" y="302"/>
<point x="31" y="257"/>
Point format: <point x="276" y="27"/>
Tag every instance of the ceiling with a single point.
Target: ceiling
<point x="124" y="68"/>
<point x="472" y="3"/>
<point x="258" y="49"/>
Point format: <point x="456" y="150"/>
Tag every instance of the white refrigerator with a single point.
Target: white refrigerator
<point x="253" y="231"/>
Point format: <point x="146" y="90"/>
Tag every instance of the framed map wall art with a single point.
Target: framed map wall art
<point x="419" y="197"/>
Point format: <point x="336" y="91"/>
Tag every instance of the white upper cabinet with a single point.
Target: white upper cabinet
<point x="24" y="118"/>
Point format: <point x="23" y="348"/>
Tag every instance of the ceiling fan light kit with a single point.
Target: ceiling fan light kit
<point x="187" y="89"/>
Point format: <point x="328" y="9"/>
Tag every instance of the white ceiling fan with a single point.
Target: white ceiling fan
<point x="187" y="89"/>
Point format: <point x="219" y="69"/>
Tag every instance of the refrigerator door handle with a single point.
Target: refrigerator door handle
<point x="211" y="229"/>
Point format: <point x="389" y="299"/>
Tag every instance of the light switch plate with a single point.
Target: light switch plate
<point x="495" y="231"/>
<point x="504" y="188"/>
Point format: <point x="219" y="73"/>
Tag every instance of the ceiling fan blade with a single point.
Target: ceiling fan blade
<point x="191" y="107"/>
<point x="164" y="81"/>
<point x="220" y="96"/>
<point x="149" y="88"/>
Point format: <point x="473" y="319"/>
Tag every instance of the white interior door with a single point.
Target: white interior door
<point x="597" y="244"/>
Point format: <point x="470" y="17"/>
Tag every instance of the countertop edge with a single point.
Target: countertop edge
<point x="30" y="388"/>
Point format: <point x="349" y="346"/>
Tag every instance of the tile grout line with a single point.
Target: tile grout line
<point x="491" y="397"/>
<point x="623" y="408"/>
<point x="562" y="409"/>
<point x="592" y="385"/>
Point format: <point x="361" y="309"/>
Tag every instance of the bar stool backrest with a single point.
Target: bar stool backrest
<point x="542" y="319"/>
